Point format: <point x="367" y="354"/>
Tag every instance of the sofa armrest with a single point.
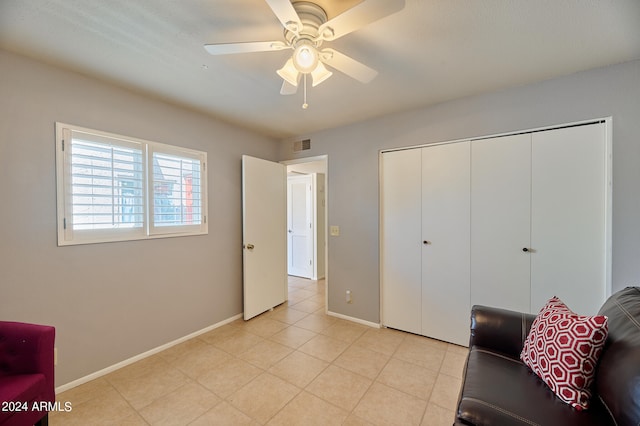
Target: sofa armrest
<point x="27" y="349"/>
<point x="499" y="330"/>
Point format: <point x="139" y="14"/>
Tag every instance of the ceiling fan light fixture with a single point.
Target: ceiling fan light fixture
<point x="320" y="74"/>
<point x="289" y="73"/>
<point x="305" y="58"/>
<point x="306" y="27"/>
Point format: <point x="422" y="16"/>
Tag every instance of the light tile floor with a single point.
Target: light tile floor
<point x="294" y="365"/>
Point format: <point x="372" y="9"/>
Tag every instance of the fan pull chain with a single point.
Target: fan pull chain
<point x="305" y="105"/>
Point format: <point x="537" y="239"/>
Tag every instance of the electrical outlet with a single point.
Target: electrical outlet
<point x="334" y="230"/>
<point x="348" y="297"/>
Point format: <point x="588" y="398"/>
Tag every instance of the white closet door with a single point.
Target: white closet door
<point x="569" y="193"/>
<point x="401" y="221"/>
<point x="445" y="248"/>
<point x="500" y="222"/>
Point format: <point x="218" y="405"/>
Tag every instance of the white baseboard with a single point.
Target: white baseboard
<point x="141" y="356"/>
<point x="353" y="319"/>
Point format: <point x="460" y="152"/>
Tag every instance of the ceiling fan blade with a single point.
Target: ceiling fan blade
<point x="348" y="65"/>
<point x="288" y="88"/>
<point x="359" y="16"/>
<point x="286" y="14"/>
<point x="244" y="47"/>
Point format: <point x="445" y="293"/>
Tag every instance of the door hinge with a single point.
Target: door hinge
<point x="205" y="219"/>
<point x="64" y="223"/>
<point x="63" y="144"/>
<point x="309" y="262"/>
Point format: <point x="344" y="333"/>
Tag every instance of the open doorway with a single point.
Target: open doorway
<point x="307" y="218"/>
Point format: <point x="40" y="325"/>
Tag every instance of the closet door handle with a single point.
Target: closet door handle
<point x="425" y="242"/>
<point x="525" y="249"/>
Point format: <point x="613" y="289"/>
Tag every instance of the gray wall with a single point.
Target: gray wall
<point x="353" y="166"/>
<point x="111" y="301"/>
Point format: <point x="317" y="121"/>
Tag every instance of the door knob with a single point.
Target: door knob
<point x="525" y="249"/>
<point x="425" y="242"/>
<point x="290" y="231"/>
<point x="250" y="246"/>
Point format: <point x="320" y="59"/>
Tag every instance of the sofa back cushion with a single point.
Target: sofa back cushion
<point x="618" y="375"/>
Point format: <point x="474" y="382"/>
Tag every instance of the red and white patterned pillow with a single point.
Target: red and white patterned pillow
<point x="563" y="349"/>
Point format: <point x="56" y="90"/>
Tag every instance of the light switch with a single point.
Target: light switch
<point x="335" y="231"/>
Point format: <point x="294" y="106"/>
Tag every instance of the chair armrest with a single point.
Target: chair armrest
<point x="499" y="330"/>
<point x="27" y="349"/>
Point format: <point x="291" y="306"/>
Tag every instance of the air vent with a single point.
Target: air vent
<point x="302" y="145"/>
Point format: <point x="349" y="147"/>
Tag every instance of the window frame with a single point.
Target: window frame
<point x="64" y="202"/>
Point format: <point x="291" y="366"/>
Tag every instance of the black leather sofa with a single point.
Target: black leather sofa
<point x="498" y="389"/>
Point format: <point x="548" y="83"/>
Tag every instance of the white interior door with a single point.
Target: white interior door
<point x="264" y="230"/>
<point x="500" y="222"/>
<point x="446" y="242"/>
<point x="300" y="226"/>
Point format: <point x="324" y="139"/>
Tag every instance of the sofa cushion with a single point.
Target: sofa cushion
<point x="500" y="390"/>
<point x="563" y="349"/>
<point x="618" y="376"/>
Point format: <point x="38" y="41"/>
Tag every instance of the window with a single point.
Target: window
<point x="115" y="188"/>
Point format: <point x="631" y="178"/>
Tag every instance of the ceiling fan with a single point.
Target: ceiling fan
<point x="306" y="27"/>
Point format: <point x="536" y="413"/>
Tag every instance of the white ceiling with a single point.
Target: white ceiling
<point x="430" y="52"/>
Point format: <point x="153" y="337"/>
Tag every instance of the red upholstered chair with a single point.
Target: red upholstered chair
<point x="26" y="373"/>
